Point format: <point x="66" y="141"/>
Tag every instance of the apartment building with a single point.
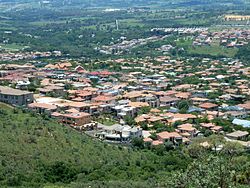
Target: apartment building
<point x="15" y="97"/>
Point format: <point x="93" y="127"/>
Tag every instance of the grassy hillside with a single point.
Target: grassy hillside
<point x="38" y="152"/>
<point x="35" y="152"/>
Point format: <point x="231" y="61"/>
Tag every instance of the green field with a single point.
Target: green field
<point x="43" y="23"/>
<point x="131" y="22"/>
<point x="213" y="51"/>
<point x="12" y="47"/>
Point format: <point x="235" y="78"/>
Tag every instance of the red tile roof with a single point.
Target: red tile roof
<point x="43" y="105"/>
<point x="157" y="142"/>
<point x="208" y="105"/>
<point x="76" y="115"/>
<point x="103" y="98"/>
<point x="166" y="135"/>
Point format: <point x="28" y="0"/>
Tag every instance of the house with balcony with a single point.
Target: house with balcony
<point x="173" y="137"/>
<point x="187" y="130"/>
<point x="73" y="119"/>
<point x="167" y="101"/>
<point x="42" y="108"/>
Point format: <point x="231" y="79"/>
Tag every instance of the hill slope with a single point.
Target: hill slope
<point x="35" y="151"/>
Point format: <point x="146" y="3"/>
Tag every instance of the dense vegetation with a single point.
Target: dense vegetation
<point x="244" y="53"/>
<point x="36" y="152"/>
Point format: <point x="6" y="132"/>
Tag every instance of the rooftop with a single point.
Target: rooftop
<point x="10" y="91"/>
<point x="238" y="134"/>
<point x="43" y="105"/>
<point x="244" y="123"/>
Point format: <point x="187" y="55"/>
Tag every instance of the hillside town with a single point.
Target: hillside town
<point x="16" y="56"/>
<point x="126" y="45"/>
<point x="125" y="94"/>
<point x="158" y="99"/>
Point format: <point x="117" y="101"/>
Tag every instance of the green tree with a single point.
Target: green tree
<point x="60" y="172"/>
<point x="183" y="106"/>
<point x="137" y="142"/>
<point x="129" y="120"/>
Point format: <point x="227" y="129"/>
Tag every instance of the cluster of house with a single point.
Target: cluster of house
<point x="15" y="56"/>
<point x="127" y="45"/>
<point x="165" y="48"/>
<point x="181" y="30"/>
<point x="233" y="17"/>
<point x="229" y="38"/>
<point x="68" y="94"/>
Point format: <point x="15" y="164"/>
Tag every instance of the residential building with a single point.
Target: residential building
<point x="238" y="135"/>
<point x="118" y="133"/>
<point x="173" y="137"/>
<point x="15" y="97"/>
<point x="73" y="119"/>
<point x="43" y="107"/>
